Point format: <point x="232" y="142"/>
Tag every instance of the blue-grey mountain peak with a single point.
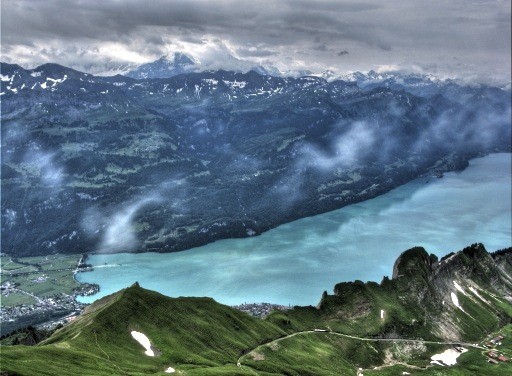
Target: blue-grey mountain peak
<point x="165" y="67"/>
<point x="178" y="63"/>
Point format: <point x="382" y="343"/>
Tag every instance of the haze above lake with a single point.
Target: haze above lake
<point x="295" y="262"/>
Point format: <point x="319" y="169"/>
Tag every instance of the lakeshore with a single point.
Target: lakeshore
<point x="293" y="263"/>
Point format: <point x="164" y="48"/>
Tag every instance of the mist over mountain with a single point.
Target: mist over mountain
<point x="178" y="63"/>
<point x="115" y="164"/>
<point x="166" y="67"/>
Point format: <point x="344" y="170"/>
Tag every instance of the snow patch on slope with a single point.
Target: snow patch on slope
<point x="455" y="301"/>
<point x="235" y="84"/>
<point x="477" y="294"/>
<point x="459" y="288"/>
<point x="144" y="341"/>
<point x="448" y="357"/>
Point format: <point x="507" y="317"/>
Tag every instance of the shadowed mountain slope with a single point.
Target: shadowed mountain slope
<point x="117" y="164"/>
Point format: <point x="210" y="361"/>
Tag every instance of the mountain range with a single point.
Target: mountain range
<point x="429" y="306"/>
<point x="178" y="63"/>
<point x="116" y="164"/>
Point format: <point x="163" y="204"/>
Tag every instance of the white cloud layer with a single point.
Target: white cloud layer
<point x="459" y="38"/>
<point x="347" y="149"/>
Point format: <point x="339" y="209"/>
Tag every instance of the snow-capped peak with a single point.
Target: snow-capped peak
<point x="179" y="59"/>
<point x="166" y="66"/>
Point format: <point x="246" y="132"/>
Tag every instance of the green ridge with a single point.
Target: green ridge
<point x="198" y="336"/>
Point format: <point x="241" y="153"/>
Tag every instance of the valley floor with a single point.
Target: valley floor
<point x="40" y="290"/>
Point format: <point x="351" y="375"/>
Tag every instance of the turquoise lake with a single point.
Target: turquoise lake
<point x="295" y="262"/>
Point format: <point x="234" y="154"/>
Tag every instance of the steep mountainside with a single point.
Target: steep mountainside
<point x="117" y="164"/>
<point x="456" y="300"/>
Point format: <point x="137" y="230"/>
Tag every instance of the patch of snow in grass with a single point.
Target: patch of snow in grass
<point x="144" y="341"/>
<point x="170" y="370"/>
<point x="448" y="357"/>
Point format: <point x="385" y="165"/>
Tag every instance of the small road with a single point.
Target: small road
<point x="275" y="341"/>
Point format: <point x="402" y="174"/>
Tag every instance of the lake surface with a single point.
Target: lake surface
<point x="294" y="263"/>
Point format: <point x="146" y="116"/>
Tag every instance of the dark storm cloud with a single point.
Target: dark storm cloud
<point x="376" y="32"/>
<point x="105" y="20"/>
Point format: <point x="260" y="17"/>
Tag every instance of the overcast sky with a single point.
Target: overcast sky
<point x="469" y="39"/>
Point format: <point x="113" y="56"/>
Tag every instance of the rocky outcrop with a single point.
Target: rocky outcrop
<point x="460" y="297"/>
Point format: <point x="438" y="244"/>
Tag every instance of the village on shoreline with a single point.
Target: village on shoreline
<point x="42" y="291"/>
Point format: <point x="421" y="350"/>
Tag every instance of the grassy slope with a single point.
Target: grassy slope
<point x="198" y="336"/>
<point x="328" y="354"/>
<point x="99" y="342"/>
<point x="471" y="363"/>
<point x="220" y="336"/>
<point x="315" y="354"/>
